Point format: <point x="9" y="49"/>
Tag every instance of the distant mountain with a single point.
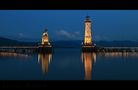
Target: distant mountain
<point x="117" y="43"/>
<point x="10" y="42"/>
<point x="69" y="44"/>
<point x="6" y="40"/>
<point x="22" y="38"/>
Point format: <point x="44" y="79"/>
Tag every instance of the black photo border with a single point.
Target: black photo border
<point x="68" y="5"/>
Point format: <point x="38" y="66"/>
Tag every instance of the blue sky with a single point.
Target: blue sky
<point x="28" y="25"/>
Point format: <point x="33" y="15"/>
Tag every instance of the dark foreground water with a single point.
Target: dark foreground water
<point x="69" y="64"/>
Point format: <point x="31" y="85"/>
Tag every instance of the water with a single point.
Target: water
<point x="69" y="64"/>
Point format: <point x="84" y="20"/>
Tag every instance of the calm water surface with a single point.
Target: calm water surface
<point x="69" y="64"/>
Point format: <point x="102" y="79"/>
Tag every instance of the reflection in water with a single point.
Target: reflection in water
<point x="87" y="58"/>
<point x="44" y="59"/>
<point x="118" y="54"/>
<point x="12" y="54"/>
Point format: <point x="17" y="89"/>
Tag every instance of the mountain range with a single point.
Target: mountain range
<point x="10" y="42"/>
<point x="69" y="43"/>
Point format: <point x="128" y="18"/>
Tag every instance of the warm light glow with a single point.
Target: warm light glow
<point x="12" y="54"/>
<point x="46" y="46"/>
<point x="87" y="36"/>
<point x="87" y="46"/>
<point x="45" y="40"/>
<point x="44" y="60"/>
<point x="87" y="58"/>
<point x="94" y="57"/>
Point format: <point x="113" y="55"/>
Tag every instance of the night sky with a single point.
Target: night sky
<point x="28" y="25"/>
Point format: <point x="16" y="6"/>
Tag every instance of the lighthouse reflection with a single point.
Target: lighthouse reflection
<point x="87" y="59"/>
<point x="44" y="59"/>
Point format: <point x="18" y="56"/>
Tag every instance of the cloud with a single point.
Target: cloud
<point x="62" y="34"/>
<point x="99" y="37"/>
<point x="77" y="32"/>
<point x="21" y="35"/>
<point x="76" y="35"/>
<point x="65" y="34"/>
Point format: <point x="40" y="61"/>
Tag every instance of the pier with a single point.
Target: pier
<point x="38" y="49"/>
<point x="19" y="49"/>
<point x="116" y="49"/>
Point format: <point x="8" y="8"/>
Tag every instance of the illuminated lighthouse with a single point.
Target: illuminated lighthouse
<point x="45" y="46"/>
<point x="87" y="36"/>
<point x="45" y="40"/>
<point x="87" y="43"/>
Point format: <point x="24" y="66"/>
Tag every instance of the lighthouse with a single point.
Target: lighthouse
<point x="45" y="40"/>
<point x="87" y="35"/>
<point x="45" y="46"/>
<point x="87" y="43"/>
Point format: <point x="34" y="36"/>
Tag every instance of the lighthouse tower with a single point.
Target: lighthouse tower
<point x="87" y="36"/>
<point x="87" y="43"/>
